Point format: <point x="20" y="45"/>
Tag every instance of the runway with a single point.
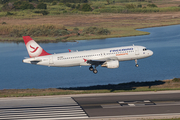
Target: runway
<point x="92" y="106"/>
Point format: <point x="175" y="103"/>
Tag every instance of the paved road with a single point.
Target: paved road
<point x="93" y="106"/>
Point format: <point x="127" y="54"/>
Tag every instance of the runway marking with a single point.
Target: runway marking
<point x="121" y="102"/>
<point x="131" y="104"/>
<point x="128" y="103"/>
<point x="147" y="101"/>
<point x="43" y="112"/>
<point x="136" y="103"/>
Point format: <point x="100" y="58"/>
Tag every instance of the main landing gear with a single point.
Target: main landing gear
<point x="136" y="63"/>
<point x="93" y="69"/>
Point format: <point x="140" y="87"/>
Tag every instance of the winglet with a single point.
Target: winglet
<point x="34" y="50"/>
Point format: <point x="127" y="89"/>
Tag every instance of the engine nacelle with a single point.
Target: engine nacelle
<point x="111" y="64"/>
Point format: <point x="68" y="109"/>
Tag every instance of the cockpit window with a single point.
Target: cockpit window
<point x="144" y="49"/>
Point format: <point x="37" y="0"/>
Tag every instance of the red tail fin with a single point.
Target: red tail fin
<point x="33" y="48"/>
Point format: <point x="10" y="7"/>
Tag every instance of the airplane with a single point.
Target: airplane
<point x="108" y="57"/>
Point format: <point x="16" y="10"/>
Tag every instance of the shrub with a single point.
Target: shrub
<point x="9" y="13"/>
<point x="17" y="4"/>
<point x="73" y="6"/>
<point x="68" y="4"/>
<point x="130" y="6"/>
<point x="42" y="30"/>
<point x="27" y="6"/>
<point x="151" y="5"/>
<point x="54" y="3"/>
<point x="96" y="31"/>
<point x="64" y="32"/>
<point x="176" y="80"/>
<point x="78" y="6"/>
<point x="73" y="1"/>
<point x="107" y="2"/>
<point x="85" y="7"/>
<point x="44" y="12"/>
<point x="23" y="5"/>
<point x="61" y="4"/>
<point x="42" y="6"/>
<point x="7" y="7"/>
<point x="102" y="31"/>
<point x="3" y="23"/>
<point x="4" y="1"/>
<point x="139" y="6"/>
<point x="45" y="0"/>
<point x="64" y="11"/>
<point x="75" y="30"/>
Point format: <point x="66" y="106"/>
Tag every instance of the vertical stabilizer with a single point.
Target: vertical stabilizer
<point x="34" y="50"/>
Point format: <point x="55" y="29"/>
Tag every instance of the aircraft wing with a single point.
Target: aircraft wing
<point x="100" y="61"/>
<point x="95" y="62"/>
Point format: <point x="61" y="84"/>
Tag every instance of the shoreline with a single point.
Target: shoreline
<point x="20" y="40"/>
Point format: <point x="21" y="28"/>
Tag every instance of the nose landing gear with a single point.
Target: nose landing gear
<point x="136" y="63"/>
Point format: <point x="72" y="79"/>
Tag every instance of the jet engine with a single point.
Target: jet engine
<point x="111" y="64"/>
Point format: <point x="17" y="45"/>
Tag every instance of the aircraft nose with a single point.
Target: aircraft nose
<point x="150" y="52"/>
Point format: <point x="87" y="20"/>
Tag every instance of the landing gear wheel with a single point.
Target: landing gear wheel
<point x="137" y="65"/>
<point x="91" y="68"/>
<point x="95" y="71"/>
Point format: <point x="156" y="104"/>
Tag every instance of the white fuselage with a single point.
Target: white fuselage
<point x="79" y="58"/>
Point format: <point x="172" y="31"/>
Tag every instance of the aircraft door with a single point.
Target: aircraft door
<point x="51" y="60"/>
<point x="136" y="51"/>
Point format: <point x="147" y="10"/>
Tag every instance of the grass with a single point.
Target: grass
<point x="157" y="85"/>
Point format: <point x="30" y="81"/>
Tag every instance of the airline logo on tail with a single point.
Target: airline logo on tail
<point x="33" y="48"/>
